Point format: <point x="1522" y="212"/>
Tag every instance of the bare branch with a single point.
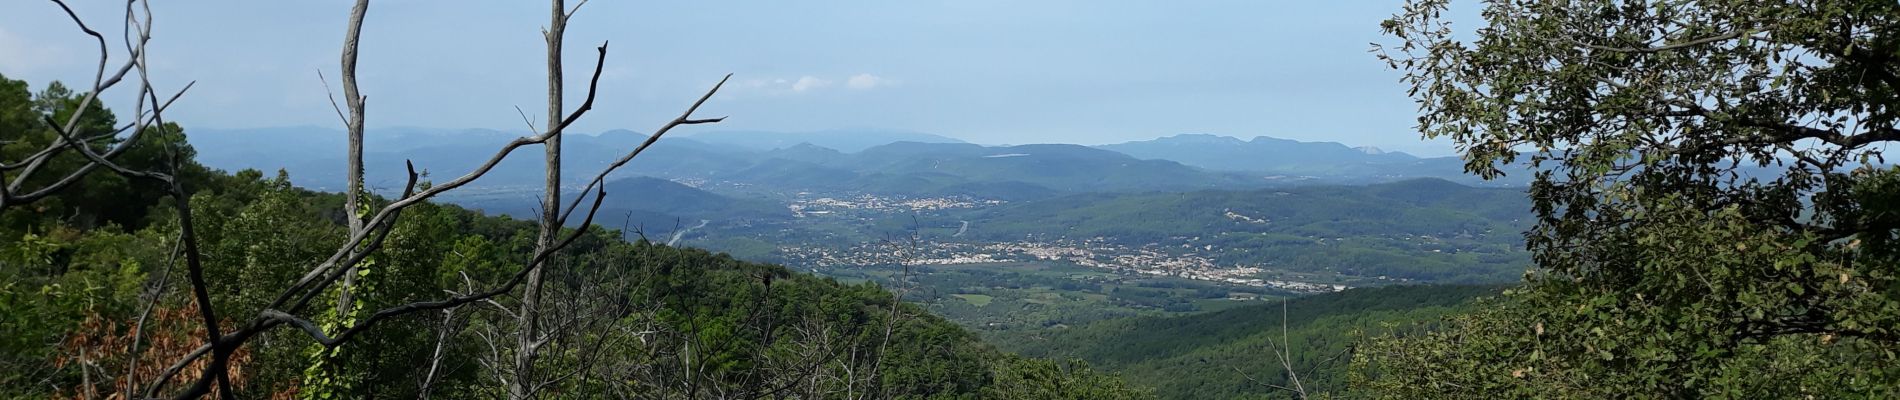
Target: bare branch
<point x="138" y="328"/>
<point x="332" y="96"/>
<point x="592" y="85"/>
<point x="684" y="118"/>
<point x="526" y="120"/>
<point x="101" y="81"/>
<point x="1286" y="353"/>
<point x="577" y="8"/>
<point x="1250" y="378"/>
<point x="367" y="234"/>
<point x="505" y="287"/>
<point x="307" y="327"/>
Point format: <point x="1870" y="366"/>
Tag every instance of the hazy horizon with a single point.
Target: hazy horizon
<point x="688" y="134"/>
<point x="985" y="72"/>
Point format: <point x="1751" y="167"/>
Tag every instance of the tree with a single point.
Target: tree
<point x="90" y="141"/>
<point x="1023" y="378"/>
<point x="1714" y="215"/>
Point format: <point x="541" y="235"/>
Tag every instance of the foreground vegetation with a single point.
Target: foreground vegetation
<point x="1234" y="353"/>
<point x="1715" y="217"/>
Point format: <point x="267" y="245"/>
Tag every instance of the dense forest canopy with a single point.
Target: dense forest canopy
<point x="1665" y="271"/>
<point x="1231" y="353"/>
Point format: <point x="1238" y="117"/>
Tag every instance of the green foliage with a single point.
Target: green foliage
<point x="1018" y="302"/>
<point x="1221" y="354"/>
<point x="78" y="253"/>
<point x="1712" y="216"/>
<point x="97" y="198"/>
<point x="50" y="285"/>
<point x="1028" y="378"/>
<point x="327" y="377"/>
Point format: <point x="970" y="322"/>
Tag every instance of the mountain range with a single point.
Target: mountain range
<point x="849" y="141"/>
<point x="1327" y="161"/>
<point x="861" y="161"/>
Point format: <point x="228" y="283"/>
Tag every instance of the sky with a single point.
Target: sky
<point x="985" y="71"/>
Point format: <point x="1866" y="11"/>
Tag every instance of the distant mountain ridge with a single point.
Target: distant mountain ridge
<point x="869" y="161"/>
<point x="307" y="153"/>
<point x="1290" y="150"/>
<point x="648" y="204"/>
<point x="849" y="141"/>
<point x="857" y="161"/>
<point x="1323" y="160"/>
<point x="1063" y="167"/>
<point x="963" y="169"/>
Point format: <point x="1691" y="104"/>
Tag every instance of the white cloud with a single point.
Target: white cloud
<point x="814" y="83"/>
<point x="867" y="81"/>
<point x="809" y="82"/>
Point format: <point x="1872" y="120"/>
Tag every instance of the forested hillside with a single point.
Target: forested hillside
<point x="1235" y="353"/>
<point x="662" y="206"/>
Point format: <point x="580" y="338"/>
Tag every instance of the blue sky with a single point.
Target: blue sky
<point x="986" y="71"/>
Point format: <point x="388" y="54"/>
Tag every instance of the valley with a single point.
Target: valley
<point x="1002" y="241"/>
<point x="1020" y="270"/>
<point x="950" y="200"/>
<point x="1314" y="239"/>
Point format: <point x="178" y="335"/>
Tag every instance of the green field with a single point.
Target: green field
<point x="1028" y="300"/>
<point x="979" y="300"/>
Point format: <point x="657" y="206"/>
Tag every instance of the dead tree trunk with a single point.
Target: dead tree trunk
<point x="353" y="192"/>
<point x="529" y="336"/>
